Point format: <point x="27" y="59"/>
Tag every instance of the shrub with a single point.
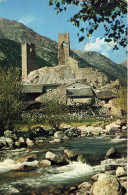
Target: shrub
<point x="54" y="111"/>
<point x="121" y="100"/>
<point x="10" y="97"/>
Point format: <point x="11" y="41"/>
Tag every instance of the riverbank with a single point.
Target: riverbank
<point x="39" y="134"/>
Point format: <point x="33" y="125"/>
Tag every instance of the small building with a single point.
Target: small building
<point x="78" y="93"/>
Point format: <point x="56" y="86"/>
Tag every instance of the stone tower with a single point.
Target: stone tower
<point x="28" y="59"/>
<point x="63" y="48"/>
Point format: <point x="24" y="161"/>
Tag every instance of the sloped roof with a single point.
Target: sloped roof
<point x="80" y="92"/>
<point x="106" y="94"/>
<point x="32" y="88"/>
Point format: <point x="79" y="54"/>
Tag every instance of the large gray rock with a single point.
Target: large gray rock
<point x="29" y="142"/>
<point x="22" y="142"/>
<point x="56" y="159"/>
<point x="45" y="163"/>
<point x="112" y="127"/>
<point x="107" y="185"/>
<point x="120" y="171"/>
<point x="2" y="142"/>
<point x="10" y="142"/>
<point x="72" y="132"/>
<point x="70" y="154"/>
<point x="112" y="153"/>
<point x="59" y="135"/>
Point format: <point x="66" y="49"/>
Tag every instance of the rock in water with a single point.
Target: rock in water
<point x="70" y="154"/>
<point x="25" y="168"/>
<point x="29" y="142"/>
<point x="45" y="163"/>
<point x="59" y="135"/>
<point x="56" y="159"/>
<point x="112" y="153"/>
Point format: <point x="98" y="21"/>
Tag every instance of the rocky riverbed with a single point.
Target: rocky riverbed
<point x="77" y="161"/>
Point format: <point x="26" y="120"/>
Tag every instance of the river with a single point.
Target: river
<point x="42" y="179"/>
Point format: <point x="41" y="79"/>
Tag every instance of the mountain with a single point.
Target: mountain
<point x="101" y="62"/>
<point x="13" y="34"/>
<point x="124" y="63"/>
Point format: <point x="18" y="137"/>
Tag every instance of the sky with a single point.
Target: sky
<point x="42" y="18"/>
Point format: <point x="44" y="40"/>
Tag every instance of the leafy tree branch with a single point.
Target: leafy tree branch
<point x="92" y="13"/>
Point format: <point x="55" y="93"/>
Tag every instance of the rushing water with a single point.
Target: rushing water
<point x="93" y="149"/>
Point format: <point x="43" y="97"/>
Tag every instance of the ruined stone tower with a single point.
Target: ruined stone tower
<point x="63" y="48"/>
<point x="28" y="59"/>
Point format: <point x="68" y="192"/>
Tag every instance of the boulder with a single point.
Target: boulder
<point x="25" y="168"/>
<point x="22" y="142"/>
<point x="110" y="167"/>
<point x="84" y="188"/>
<point x="107" y="185"/>
<point x="10" y="134"/>
<point x="80" y="158"/>
<point x="118" y="122"/>
<point x="70" y="155"/>
<point x="57" y="140"/>
<point x="124" y="127"/>
<point x="3" y="142"/>
<point x="86" y="185"/>
<point x="45" y="163"/>
<point x="112" y="127"/>
<point x="59" y="135"/>
<point x="97" y="176"/>
<point x="10" y="142"/>
<point x="56" y="159"/>
<point x="72" y="132"/>
<point x="29" y="142"/>
<point x="112" y="153"/>
<point x="17" y="144"/>
<point x="27" y="158"/>
<point x="120" y="171"/>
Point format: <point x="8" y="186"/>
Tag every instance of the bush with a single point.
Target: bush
<point x="121" y="100"/>
<point x="10" y="97"/>
<point x="54" y="111"/>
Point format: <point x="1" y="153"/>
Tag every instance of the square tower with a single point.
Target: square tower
<point x="28" y="59"/>
<point x="63" y="48"/>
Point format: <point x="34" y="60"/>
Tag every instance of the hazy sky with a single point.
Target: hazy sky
<point x="37" y="15"/>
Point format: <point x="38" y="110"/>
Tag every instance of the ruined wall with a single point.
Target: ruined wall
<point x="28" y="59"/>
<point x="63" y="48"/>
<point x="58" y="93"/>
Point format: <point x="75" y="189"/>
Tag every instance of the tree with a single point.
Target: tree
<point x="121" y="100"/>
<point x="93" y="12"/>
<point x="10" y="97"/>
<point x="54" y="110"/>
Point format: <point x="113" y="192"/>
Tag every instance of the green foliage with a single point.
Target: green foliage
<point x="121" y="100"/>
<point x="10" y="97"/>
<point x="55" y="111"/>
<point x="110" y="13"/>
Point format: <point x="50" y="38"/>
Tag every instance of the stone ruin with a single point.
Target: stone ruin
<point x="28" y="59"/>
<point x="78" y="86"/>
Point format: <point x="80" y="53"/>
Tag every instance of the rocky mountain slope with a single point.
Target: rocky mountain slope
<point x="13" y="33"/>
<point x="125" y="62"/>
<point x="103" y="63"/>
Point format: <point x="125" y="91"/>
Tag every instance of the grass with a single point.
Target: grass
<point x="88" y="122"/>
<point x="25" y="125"/>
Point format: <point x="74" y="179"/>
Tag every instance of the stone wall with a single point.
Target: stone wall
<point x="28" y="59"/>
<point x="63" y="49"/>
